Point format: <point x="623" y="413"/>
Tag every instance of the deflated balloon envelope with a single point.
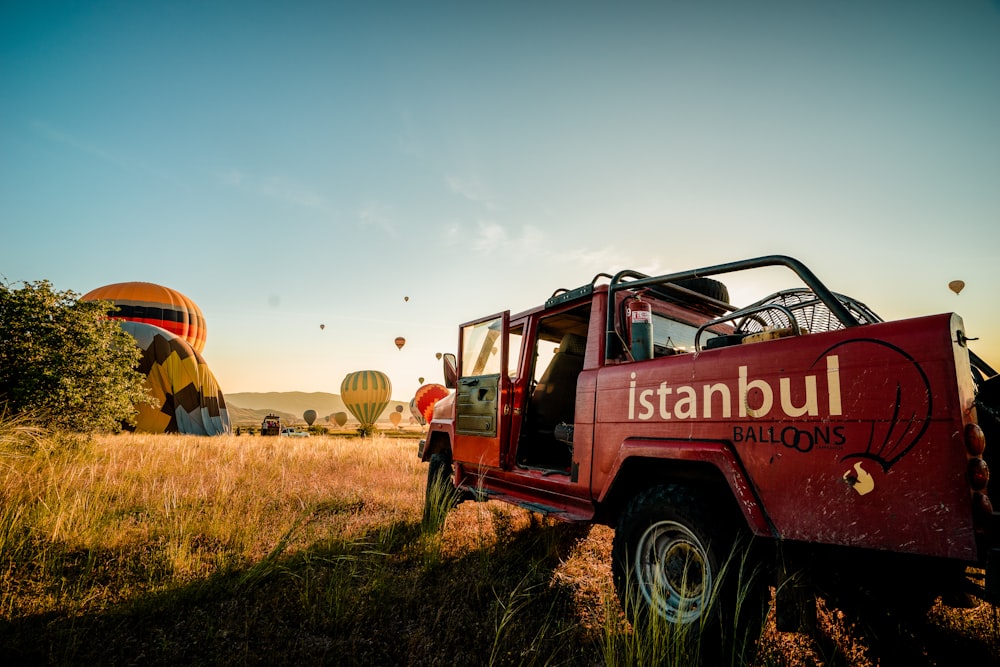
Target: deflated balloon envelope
<point x="177" y="376"/>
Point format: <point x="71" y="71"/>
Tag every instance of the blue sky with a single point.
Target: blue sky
<point x="297" y="163"/>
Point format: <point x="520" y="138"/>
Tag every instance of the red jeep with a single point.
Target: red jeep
<point x="799" y="438"/>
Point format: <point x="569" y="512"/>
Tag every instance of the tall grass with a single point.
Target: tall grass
<point x="254" y="550"/>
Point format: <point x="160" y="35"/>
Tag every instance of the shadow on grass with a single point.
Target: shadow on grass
<point x="372" y="600"/>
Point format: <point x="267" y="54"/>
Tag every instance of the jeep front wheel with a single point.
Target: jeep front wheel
<point x="440" y="495"/>
<point x="679" y="574"/>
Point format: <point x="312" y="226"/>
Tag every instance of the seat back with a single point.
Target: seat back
<point x="554" y="398"/>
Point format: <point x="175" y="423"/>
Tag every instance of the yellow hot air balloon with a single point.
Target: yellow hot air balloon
<point x="395" y="418"/>
<point x="956" y="286"/>
<point x="366" y="394"/>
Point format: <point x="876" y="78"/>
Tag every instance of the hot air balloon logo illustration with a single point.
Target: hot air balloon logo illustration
<point x="366" y="395"/>
<point x="902" y="408"/>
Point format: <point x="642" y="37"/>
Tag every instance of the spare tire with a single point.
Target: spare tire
<point x="709" y="287"/>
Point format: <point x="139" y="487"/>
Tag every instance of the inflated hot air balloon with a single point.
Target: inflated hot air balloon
<point x="400" y="342"/>
<point x="420" y="380"/>
<point x="340" y="418"/>
<point x="399" y="408"/>
<point x="956" y="286"/>
<point x="309" y="416"/>
<point x="157" y="305"/>
<point x="426" y="397"/>
<point x="395" y="418"/>
<point x="437" y="355"/>
<point x="322" y="326"/>
<point x="190" y="398"/>
<point x="416" y="413"/>
<point x="366" y="394"/>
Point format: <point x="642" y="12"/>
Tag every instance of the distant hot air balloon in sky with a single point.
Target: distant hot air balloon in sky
<point x="322" y="326"/>
<point x="437" y="355"/>
<point x="157" y="305"/>
<point x="420" y="380"/>
<point x="399" y="408"/>
<point x="427" y="397"/>
<point x="395" y="418"/>
<point x="956" y="286"/>
<point x="191" y="401"/>
<point x="400" y="342"/>
<point x="366" y="394"/>
<point x="406" y="298"/>
<point x="340" y="418"/>
<point x="309" y="416"/>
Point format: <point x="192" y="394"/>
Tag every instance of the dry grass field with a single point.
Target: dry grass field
<point x="166" y="550"/>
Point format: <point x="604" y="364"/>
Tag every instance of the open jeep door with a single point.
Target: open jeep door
<point x="482" y="411"/>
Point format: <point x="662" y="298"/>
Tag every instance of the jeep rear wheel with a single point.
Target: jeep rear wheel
<point x="678" y="574"/>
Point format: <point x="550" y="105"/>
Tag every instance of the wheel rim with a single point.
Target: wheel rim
<point x="673" y="572"/>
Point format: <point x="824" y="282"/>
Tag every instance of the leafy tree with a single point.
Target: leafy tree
<point x="64" y="362"/>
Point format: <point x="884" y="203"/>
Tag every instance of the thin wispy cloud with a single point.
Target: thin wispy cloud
<point x="102" y="153"/>
<point x="279" y="188"/>
<point x="379" y="215"/>
<point x="471" y="187"/>
<point x="532" y="244"/>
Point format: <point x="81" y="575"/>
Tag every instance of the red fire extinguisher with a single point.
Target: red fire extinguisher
<point x="640" y="320"/>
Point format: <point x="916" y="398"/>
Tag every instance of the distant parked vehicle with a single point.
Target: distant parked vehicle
<point x="271" y="425"/>
<point x="294" y="433"/>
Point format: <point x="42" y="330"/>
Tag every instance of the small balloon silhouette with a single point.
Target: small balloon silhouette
<point x="322" y="326"/>
<point x="956" y="286"/>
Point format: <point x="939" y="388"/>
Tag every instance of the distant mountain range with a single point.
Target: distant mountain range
<point x="249" y="408"/>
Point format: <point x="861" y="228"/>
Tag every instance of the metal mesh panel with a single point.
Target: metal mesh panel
<point x="810" y="313"/>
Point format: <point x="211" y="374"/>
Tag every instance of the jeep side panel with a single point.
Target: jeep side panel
<point x="852" y="437"/>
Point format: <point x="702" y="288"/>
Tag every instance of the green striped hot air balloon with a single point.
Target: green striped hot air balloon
<point x="366" y="394"/>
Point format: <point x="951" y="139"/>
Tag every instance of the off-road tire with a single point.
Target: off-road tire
<point x="678" y="564"/>
<point x="709" y="287"/>
<point x="440" y="495"/>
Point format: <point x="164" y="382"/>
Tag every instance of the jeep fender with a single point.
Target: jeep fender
<point x="438" y="439"/>
<point x="687" y="459"/>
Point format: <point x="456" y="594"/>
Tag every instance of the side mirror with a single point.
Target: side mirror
<point x="450" y="370"/>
